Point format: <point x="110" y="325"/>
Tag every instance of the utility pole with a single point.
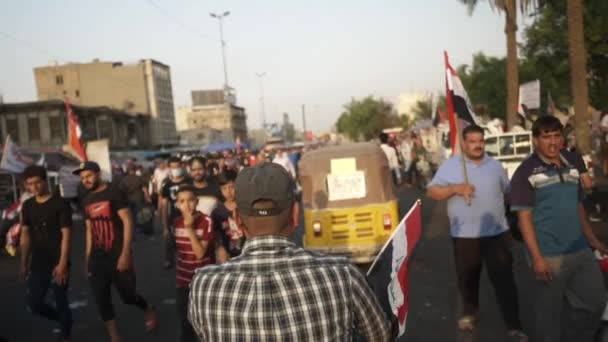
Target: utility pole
<point x="304" y="120"/>
<point x="260" y="76"/>
<point x="220" y="18"/>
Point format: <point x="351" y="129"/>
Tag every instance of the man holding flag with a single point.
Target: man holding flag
<point x="478" y="227"/>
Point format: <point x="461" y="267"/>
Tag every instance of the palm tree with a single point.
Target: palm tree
<point x="509" y="7"/>
<point x="578" y="72"/>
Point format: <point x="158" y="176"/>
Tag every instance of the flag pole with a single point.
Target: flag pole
<point x="463" y="161"/>
<point x="454" y="122"/>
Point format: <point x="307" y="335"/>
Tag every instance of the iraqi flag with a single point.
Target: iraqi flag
<point x="389" y="274"/>
<point x="460" y="111"/>
<point x="74" y="133"/>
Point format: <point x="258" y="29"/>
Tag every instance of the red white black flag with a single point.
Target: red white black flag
<point x="74" y="133"/>
<point x="460" y="111"/>
<point x="389" y="274"/>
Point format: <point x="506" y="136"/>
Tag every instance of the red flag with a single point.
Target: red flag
<point x="74" y="133"/>
<point x="389" y="274"/>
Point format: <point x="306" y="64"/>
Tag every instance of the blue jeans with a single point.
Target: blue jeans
<point x="38" y="283"/>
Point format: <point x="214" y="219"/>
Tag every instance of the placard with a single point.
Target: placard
<point x="346" y="186"/>
<point x="343" y="166"/>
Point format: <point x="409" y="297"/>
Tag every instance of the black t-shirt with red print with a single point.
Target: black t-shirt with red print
<point x="101" y="210"/>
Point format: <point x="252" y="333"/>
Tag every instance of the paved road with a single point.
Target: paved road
<point x="434" y="304"/>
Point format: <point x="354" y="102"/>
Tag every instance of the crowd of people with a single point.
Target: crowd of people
<point x="226" y="223"/>
<point x="407" y="158"/>
<point x="226" y="233"/>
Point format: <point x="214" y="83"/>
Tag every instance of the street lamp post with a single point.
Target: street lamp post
<point x="220" y="18"/>
<point x="260" y="76"/>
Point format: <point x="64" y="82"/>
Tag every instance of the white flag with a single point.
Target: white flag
<point x="12" y="160"/>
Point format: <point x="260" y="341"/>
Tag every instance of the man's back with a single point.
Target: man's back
<point x="276" y="291"/>
<point x="132" y="185"/>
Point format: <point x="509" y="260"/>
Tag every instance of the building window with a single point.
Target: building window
<point x="59" y="79"/>
<point x="77" y="93"/>
<point x="56" y="128"/>
<point x="12" y="128"/>
<point x="33" y="127"/>
<point x="104" y="128"/>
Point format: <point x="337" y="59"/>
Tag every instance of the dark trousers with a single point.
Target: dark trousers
<point x="187" y="333"/>
<point x="135" y="207"/>
<point x="495" y="252"/>
<point x="38" y="284"/>
<point x="170" y="247"/>
<point x="102" y="274"/>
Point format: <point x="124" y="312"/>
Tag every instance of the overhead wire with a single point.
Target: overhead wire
<point x="180" y="23"/>
<point x="58" y="58"/>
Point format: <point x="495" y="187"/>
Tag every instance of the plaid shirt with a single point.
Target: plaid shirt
<point x="276" y="291"/>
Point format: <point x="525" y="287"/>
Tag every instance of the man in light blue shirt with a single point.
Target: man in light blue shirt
<point x="479" y="229"/>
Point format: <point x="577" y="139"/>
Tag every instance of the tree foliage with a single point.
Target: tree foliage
<point x="423" y="109"/>
<point x="485" y="82"/>
<point x="545" y="57"/>
<point x="546" y="49"/>
<point x="365" y="119"/>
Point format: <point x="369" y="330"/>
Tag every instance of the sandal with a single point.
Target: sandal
<point x="518" y="336"/>
<point x="466" y="323"/>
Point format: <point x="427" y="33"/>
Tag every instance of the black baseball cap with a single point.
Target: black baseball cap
<point x="87" y="165"/>
<point x="266" y="181"/>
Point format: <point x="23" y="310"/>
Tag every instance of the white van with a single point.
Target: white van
<point x="509" y="148"/>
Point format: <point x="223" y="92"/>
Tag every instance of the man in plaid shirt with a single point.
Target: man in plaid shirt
<point x="276" y="291"/>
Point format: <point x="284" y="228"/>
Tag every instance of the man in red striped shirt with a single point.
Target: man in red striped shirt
<point x="194" y="239"/>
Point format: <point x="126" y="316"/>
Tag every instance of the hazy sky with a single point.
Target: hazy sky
<point x="314" y="52"/>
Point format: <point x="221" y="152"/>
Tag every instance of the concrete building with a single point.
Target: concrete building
<point x="212" y="97"/>
<point x="44" y="124"/>
<point x="407" y="101"/>
<point x="226" y="118"/>
<point x="143" y="87"/>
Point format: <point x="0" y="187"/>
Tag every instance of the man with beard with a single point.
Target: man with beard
<point x="479" y="228"/>
<point x="168" y="210"/>
<point x="109" y="232"/>
<point x="206" y="189"/>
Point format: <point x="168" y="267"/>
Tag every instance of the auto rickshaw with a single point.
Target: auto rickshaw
<point x="349" y="201"/>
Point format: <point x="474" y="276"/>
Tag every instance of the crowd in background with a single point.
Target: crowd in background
<point x="408" y="160"/>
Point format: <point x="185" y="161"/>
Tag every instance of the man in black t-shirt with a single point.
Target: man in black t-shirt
<point x="46" y="221"/>
<point x="137" y="193"/>
<point x="168" y="211"/>
<point x="206" y="188"/>
<point x="109" y="232"/>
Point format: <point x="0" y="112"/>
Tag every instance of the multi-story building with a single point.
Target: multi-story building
<point x="227" y="118"/>
<point x="143" y="87"/>
<point x="215" y="110"/>
<point x="42" y="124"/>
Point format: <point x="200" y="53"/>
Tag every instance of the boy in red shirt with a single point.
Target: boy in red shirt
<point x="194" y="245"/>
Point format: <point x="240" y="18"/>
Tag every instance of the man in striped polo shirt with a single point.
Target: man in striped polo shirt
<point x="545" y="191"/>
<point x="194" y="245"/>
